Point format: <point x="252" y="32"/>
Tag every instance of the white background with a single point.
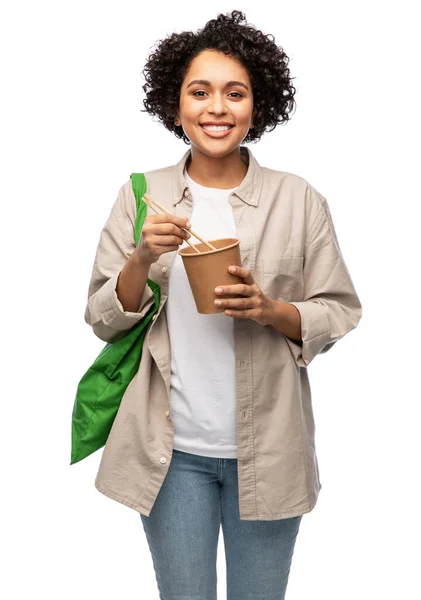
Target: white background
<point x="71" y="134"/>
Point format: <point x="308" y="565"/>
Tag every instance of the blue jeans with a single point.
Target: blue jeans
<point x="198" y="495"/>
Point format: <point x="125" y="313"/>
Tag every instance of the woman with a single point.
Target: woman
<point x="217" y="426"/>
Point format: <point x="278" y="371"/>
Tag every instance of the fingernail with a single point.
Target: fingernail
<point x="232" y="269"/>
<point x="218" y="290"/>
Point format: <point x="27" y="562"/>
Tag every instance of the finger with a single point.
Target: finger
<point x="239" y="288"/>
<point x="240" y="314"/>
<point x="241" y="272"/>
<point x="169" y="229"/>
<point x="235" y="303"/>
<point x="165" y="240"/>
<point x="181" y="222"/>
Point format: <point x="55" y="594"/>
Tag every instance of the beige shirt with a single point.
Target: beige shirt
<point x="288" y="242"/>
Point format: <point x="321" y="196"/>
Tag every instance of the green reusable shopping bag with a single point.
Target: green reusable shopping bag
<point x="101" y="389"/>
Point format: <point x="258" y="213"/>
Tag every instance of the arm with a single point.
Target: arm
<point x="131" y="282"/>
<point x="286" y="318"/>
<point x="116" y="268"/>
<point x="330" y="306"/>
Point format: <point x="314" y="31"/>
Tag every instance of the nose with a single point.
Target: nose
<point x="217" y="104"/>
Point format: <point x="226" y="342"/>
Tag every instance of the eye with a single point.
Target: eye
<point x="237" y="94"/>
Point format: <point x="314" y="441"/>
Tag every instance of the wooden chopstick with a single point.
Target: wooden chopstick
<point x="150" y="202"/>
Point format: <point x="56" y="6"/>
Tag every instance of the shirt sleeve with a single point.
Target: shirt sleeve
<point x="331" y="307"/>
<point x="104" y="311"/>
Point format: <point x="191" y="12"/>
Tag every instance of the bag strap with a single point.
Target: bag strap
<point x="139" y="187"/>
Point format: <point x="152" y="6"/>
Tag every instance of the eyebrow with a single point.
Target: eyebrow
<point x="229" y="84"/>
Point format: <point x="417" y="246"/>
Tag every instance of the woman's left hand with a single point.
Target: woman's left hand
<point x="255" y="305"/>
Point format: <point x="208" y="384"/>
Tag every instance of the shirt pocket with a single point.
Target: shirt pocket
<point x="283" y="278"/>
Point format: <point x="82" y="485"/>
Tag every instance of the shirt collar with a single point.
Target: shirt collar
<point x="248" y="191"/>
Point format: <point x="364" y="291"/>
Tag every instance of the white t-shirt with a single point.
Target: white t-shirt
<point x="202" y="392"/>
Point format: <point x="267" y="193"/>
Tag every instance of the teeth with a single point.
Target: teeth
<point x="216" y="127"/>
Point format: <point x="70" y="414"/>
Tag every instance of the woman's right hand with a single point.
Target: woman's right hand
<point x="161" y="233"/>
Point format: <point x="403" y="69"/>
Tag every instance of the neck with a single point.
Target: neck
<point x="225" y="172"/>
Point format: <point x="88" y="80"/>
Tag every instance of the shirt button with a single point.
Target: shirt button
<point x="164" y="269"/>
<point x="163" y="460"/>
<point x="167" y="414"/>
<point x="242" y="363"/>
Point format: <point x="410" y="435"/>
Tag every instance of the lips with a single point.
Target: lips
<point x="217" y="124"/>
<point x="217" y="134"/>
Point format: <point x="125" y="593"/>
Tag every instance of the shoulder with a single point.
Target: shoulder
<point x="126" y="201"/>
<point x="305" y="199"/>
<point x="290" y="180"/>
<point x="294" y="184"/>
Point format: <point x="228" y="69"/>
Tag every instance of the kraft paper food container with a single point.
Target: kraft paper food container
<point x="209" y="269"/>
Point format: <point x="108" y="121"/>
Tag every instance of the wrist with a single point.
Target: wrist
<point x="286" y="318"/>
<point x="271" y="314"/>
<point x="140" y="261"/>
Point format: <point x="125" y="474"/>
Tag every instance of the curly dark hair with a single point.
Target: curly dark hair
<point x="266" y="63"/>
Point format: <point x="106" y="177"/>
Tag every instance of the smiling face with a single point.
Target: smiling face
<point x="216" y="104"/>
